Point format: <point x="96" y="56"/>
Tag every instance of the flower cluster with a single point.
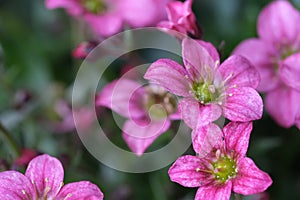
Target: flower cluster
<point x="209" y="90"/>
<point x="108" y="17"/>
<point x="276" y="57"/>
<point x="200" y="92"/>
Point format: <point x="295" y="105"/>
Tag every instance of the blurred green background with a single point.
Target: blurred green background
<point x="35" y="56"/>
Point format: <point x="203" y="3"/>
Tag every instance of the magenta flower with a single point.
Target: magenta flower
<point x="43" y="179"/>
<point x="223" y="168"/>
<point x="26" y="156"/>
<point x="181" y="19"/>
<point x="83" y="49"/>
<point x="64" y="121"/>
<point x="149" y="110"/>
<point x="209" y="89"/>
<point x="277" y="59"/>
<point x="108" y="17"/>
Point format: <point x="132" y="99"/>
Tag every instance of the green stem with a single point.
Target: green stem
<point x="6" y="135"/>
<point x="238" y="196"/>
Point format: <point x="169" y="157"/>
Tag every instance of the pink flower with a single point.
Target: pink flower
<point x="149" y="110"/>
<point x="276" y="56"/>
<point x="209" y="89"/>
<point x="65" y="122"/>
<point x="181" y="19"/>
<point x="224" y="168"/>
<point x="26" y="156"/>
<point x="83" y="49"/>
<point x="108" y="17"/>
<point x="43" y="179"/>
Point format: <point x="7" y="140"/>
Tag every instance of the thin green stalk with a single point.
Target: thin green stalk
<point x="238" y="196"/>
<point x="6" y="136"/>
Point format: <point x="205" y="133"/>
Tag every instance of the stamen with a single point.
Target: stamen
<point x="47" y="188"/>
<point x="228" y="77"/>
<point x="212" y="89"/>
<point x="202" y="170"/>
<point x="24" y="192"/>
<point x="68" y="196"/>
<point x="234" y="86"/>
<point x="230" y="94"/>
<point x="216" y="64"/>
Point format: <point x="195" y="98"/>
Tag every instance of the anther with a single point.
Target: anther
<point x="68" y="196"/>
<point x="212" y="89"/>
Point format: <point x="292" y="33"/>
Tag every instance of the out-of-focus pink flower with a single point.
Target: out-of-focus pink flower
<point x="44" y="180"/>
<point x="224" y="167"/>
<point x="83" y="49"/>
<point x="26" y="156"/>
<point x="65" y="122"/>
<point x="21" y="98"/>
<point x="209" y="89"/>
<point x="181" y="19"/>
<point x="276" y="56"/>
<point x="149" y="110"/>
<point x="108" y="17"/>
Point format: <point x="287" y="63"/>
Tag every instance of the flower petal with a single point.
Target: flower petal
<point x="139" y="135"/>
<point x="290" y="71"/>
<point x="73" y="7"/>
<point x="198" y="55"/>
<point x="243" y="104"/>
<point x="194" y="114"/>
<point x="279" y="23"/>
<point x="134" y="12"/>
<point x="15" y="186"/>
<point x="214" y="192"/>
<point x="205" y="138"/>
<point x="187" y="171"/>
<point x="283" y="104"/>
<point x="169" y="75"/>
<point x="250" y="179"/>
<point x="47" y="174"/>
<point x="123" y="96"/>
<point x="261" y="58"/>
<point x="237" y="136"/>
<point x="80" y="190"/>
<point x="240" y="72"/>
<point x="105" y="25"/>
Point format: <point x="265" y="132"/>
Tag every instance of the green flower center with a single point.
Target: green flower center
<point x="94" y="6"/>
<point x="204" y="92"/>
<point x="160" y="103"/>
<point x="224" y="169"/>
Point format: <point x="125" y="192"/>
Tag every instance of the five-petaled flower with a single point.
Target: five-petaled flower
<point x="43" y="179"/>
<point x="108" y="17"/>
<point x="209" y="89"/>
<point x="181" y="19"/>
<point x="149" y="110"/>
<point x="222" y="167"/>
<point x="276" y="55"/>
